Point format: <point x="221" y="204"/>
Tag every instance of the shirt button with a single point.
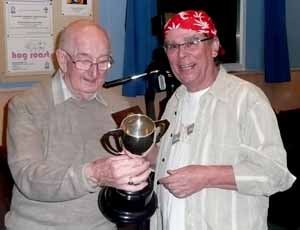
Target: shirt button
<point x="171" y="135"/>
<point x="163" y="160"/>
<point x="175" y="113"/>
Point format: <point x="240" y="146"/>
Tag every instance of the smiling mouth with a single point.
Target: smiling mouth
<point x="186" y="66"/>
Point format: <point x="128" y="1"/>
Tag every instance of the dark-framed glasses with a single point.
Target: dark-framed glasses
<point x="103" y="64"/>
<point x="188" y="45"/>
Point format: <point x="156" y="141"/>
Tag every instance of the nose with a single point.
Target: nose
<point x="94" y="70"/>
<point x="181" y="51"/>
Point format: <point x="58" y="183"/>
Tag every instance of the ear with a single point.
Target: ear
<point x="62" y="60"/>
<point x="215" y="47"/>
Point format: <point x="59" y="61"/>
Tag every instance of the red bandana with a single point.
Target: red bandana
<point x="193" y="20"/>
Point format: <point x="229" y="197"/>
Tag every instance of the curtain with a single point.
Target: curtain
<point x="139" y="43"/>
<point x="277" y="67"/>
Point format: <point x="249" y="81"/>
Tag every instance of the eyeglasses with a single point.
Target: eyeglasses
<point x="87" y="64"/>
<point x="188" y="45"/>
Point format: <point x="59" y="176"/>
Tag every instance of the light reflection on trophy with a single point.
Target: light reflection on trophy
<point x="137" y="133"/>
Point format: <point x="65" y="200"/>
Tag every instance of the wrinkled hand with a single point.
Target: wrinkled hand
<point x="185" y="181"/>
<point x="117" y="171"/>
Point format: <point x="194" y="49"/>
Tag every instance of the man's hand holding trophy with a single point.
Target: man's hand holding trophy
<point x="135" y="137"/>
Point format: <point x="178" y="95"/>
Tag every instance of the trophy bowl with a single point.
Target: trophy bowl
<point x="136" y="134"/>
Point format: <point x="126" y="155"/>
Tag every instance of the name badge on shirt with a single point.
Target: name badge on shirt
<point x="175" y="138"/>
<point x="187" y="131"/>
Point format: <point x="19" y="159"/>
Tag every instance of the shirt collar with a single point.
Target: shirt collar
<point x="219" y="88"/>
<point x="61" y="93"/>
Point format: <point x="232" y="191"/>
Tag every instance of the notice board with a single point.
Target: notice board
<point x="29" y="31"/>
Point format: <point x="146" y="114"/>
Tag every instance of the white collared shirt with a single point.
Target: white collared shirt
<point x="235" y="125"/>
<point x="180" y="154"/>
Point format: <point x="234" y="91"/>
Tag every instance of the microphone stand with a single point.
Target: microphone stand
<point x="127" y="79"/>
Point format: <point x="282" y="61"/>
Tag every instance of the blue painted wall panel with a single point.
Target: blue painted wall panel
<point x="112" y="17"/>
<point x="293" y="31"/>
<point x="254" y="35"/>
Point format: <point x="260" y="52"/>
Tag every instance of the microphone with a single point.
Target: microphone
<point x="127" y="79"/>
<point x="162" y="82"/>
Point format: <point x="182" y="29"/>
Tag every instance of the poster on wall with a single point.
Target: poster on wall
<point x="29" y="36"/>
<point x="29" y="54"/>
<point x="77" y="7"/>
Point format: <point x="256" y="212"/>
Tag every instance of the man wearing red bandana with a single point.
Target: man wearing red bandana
<point x="222" y="156"/>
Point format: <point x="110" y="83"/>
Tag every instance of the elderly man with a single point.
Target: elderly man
<point x="222" y="156"/>
<point x="54" y="152"/>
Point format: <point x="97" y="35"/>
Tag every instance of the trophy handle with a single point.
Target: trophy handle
<point x="117" y="136"/>
<point x="163" y="126"/>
